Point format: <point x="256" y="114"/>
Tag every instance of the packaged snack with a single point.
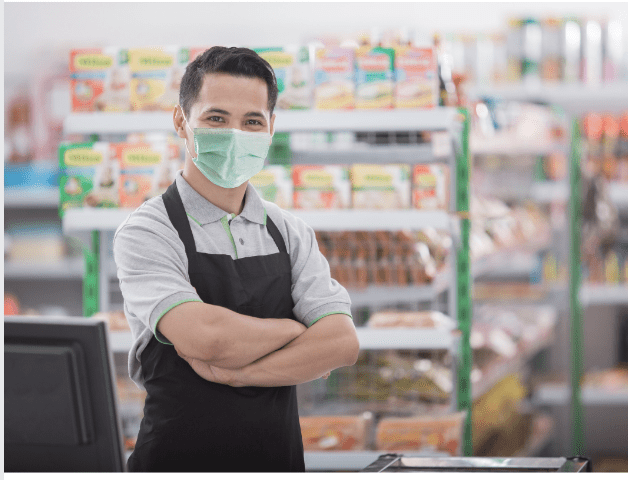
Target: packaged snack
<point x="416" y="77"/>
<point x="390" y="318"/>
<point x="430" y="187"/>
<point x="514" y="47"/>
<point x="100" y="79"/>
<point x="374" y="77"/>
<point x="90" y="176"/>
<point x="571" y="45"/>
<point x="380" y="186"/>
<point x="156" y="76"/>
<point x="334" y="86"/>
<point x="335" y="433"/>
<point x="145" y="171"/>
<point x="321" y="186"/>
<point x="532" y="51"/>
<point x="274" y="184"/>
<point x="441" y="434"/>
<point x="292" y="70"/>
<point x="551" y="58"/>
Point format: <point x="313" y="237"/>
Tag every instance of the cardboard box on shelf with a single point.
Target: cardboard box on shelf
<point x="334" y="82"/>
<point x="416" y="77"/>
<point x="321" y="186"/>
<point x="90" y="176"/>
<point x="380" y="186"/>
<point x="430" y="187"/>
<point x="374" y="77"/>
<point x="274" y="184"/>
<point x="291" y="65"/>
<point x="100" y="80"/>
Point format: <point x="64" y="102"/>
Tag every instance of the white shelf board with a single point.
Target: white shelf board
<point x="286" y="121"/>
<point x="86" y="219"/>
<point x="31" y="197"/>
<point x="66" y="269"/>
<point x="405" y="338"/>
<point x="547" y="192"/>
<point x="507" y="146"/>
<point x="407" y="154"/>
<point x="352" y="460"/>
<point x="556" y="394"/>
<point x="592" y="294"/>
<point x="574" y="99"/>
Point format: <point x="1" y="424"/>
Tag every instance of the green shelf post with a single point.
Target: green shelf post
<point x="91" y="280"/>
<point x="575" y="222"/>
<point x="463" y="282"/>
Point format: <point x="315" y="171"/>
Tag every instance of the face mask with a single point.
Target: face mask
<point x="228" y="157"/>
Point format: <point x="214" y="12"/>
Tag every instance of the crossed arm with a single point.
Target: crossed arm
<point x="226" y="347"/>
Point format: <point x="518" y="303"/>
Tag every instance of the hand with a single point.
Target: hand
<point x="326" y="376"/>
<point x="212" y="373"/>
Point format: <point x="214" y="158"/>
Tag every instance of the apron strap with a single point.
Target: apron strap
<point x="179" y="219"/>
<point x="274" y="232"/>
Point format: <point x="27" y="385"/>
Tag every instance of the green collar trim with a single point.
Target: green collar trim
<point x="199" y="223"/>
<point x="225" y="224"/>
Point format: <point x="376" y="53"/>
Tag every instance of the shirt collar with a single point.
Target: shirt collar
<point x="203" y="211"/>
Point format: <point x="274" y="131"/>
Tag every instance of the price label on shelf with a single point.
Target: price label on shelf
<point x="441" y="144"/>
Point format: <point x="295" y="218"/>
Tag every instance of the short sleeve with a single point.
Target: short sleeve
<point x="152" y="271"/>
<point x="314" y="292"/>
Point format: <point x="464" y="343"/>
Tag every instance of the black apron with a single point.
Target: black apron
<point x="193" y="425"/>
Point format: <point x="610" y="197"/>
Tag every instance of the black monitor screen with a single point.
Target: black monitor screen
<point x="60" y="410"/>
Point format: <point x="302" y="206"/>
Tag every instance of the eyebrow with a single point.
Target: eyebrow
<point x="224" y="112"/>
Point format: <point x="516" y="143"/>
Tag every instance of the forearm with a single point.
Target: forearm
<point x="308" y="357"/>
<point x="232" y="340"/>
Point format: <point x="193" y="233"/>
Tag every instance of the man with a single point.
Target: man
<point x="230" y="302"/>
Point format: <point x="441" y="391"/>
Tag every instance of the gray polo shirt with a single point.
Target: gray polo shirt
<point x="152" y="265"/>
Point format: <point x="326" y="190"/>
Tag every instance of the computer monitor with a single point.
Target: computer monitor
<point x="60" y="411"/>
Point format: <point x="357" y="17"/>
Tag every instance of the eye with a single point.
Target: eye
<point x="214" y="119"/>
<point x="255" y="122"/>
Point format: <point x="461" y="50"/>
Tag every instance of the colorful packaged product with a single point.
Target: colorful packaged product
<point x="321" y="186"/>
<point x="416" y="77"/>
<point x="335" y="432"/>
<point x="100" y="79"/>
<point x="380" y="186"/>
<point x="334" y="86"/>
<point x="430" y="187"/>
<point x="274" y="184"/>
<point x="156" y="75"/>
<point x="146" y="170"/>
<point x="374" y="84"/>
<point x="90" y="176"/>
<point x="291" y="65"/>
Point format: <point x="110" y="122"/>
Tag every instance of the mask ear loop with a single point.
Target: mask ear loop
<point x="185" y="139"/>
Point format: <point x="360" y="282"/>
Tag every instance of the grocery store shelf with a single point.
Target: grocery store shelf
<point x="67" y="269"/>
<point x="508" y="146"/>
<point x="286" y="121"/>
<point x="86" y="219"/>
<point x="573" y="99"/>
<point x="408" y="154"/>
<point x="31" y="198"/>
<point x="510" y="366"/>
<point x="557" y="394"/>
<point x="592" y="294"/>
<point x="508" y="263"/>
<point x="351" y="460"/>
<point x="542" y="430"/>
<point x="547" y="192"/>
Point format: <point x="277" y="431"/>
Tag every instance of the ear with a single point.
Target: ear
<point x="179" y="122"/>
<point x="272" y="127"/>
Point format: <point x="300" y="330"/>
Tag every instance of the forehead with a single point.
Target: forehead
<point x="232" y="93"/>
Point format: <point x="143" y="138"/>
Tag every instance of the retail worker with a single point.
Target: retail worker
<point x="230" y="302"/>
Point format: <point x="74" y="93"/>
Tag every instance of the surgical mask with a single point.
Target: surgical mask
<point x="228" y="157"/>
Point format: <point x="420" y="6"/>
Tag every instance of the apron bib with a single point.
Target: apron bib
<point x="193" y="425"/>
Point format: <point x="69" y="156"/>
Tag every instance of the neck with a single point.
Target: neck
<point x="231" y="200"/>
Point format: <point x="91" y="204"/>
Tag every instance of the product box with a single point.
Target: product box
<point x="380" y="186"/>
<point x="100" y="79"/>
<point x="334" y="87"/>
<point x="90" y="176"/>
<point x="146" y="170"/>
<point x="416" y="77"/>
<point x="291" y="65"/>
<point x="439" y="434"/>
<point x="335" y="432"/>
<point x="374" y="77"/>
<point x="274" y="184"/>
<point x="321" y="186"/>
<point x="156" y="75"/>
<point x="430" y="187"/>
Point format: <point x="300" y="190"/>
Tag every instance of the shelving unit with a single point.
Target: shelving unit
<point x="68" y="269"/>
<point x="555" y="394"/>
<point x="456" y="280"/>
<point x="31" y="198"/>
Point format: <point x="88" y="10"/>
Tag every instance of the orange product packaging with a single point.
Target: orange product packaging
<point x="416" y="77"/>
<point x="335" y="432"/>
<point x="145" y="171"/>
<point x="100" y="80"/>
<point x="437" y="434"/>
<point x="334" y="82"/>
<point x="321" y="186"/>
<point x="430" y="187"/>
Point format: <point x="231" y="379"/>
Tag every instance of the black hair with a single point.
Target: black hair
<point x="240" y="62"/>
